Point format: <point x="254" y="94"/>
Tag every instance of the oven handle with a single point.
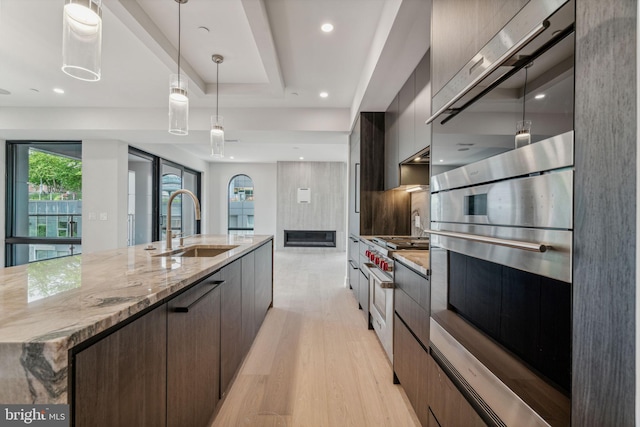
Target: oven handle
<point x="372" y="269"/>
<point x="516" y="244"/>
<point x="491" y="68"/>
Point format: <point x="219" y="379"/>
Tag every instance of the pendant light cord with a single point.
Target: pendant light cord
<point x="179" y="31"/>
<point x="217" y="81"/>
<point x="524" y="95"/>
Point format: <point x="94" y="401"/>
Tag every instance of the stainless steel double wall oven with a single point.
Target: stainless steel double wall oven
<point x="502" y="221"/>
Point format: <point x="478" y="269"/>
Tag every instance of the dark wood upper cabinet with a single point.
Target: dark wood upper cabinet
<point x="406" y="133"/>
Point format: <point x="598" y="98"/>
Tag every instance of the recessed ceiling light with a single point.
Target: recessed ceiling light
<point x="231" y="157"/>
<point x="417" y="159"/>
<point x="323" y="94"/>
<point x="540" y="96"/>
<point x="441" y="160"/>
<point x="4" y="92"/>
<point x="301" y="158"/>
<point x="58" y="90"/>
<point x="327" y="28"/>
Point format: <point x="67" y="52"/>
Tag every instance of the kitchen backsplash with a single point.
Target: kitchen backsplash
<point x="419" y="207"/>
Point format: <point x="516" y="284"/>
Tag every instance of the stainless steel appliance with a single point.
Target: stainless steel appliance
<point x="379" y="271"/>
<point x="502" y="221"/>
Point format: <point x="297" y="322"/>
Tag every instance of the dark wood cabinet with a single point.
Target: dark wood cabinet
<point x="446" y="402"/>
<point x="411" y="336"/>
<point x="248" y="301"/>
<point x="230" y="323"/>
<point x="406" y="133"/>
<point x="422" y="104"/>
<point x="170" y="366"/>
<point x="391" y="146"/>
<point x="263" y="282"/>
<point x="193" y="355"/>
<point x="406" y="118"/>
<point x="373" y="211"/>
<point x="121" y="379"/>
<point x="412" y="300"/>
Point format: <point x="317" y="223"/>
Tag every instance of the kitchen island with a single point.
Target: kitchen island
<point x="51" y="309"/>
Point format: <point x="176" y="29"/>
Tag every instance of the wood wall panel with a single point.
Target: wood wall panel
<point x="604" y="275"/>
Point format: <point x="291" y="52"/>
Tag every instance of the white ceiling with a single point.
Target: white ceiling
<point x="277" y="61"/>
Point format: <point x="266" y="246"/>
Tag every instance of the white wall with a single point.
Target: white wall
<point x="104" y="195"/>
<point x="264" y="177"/>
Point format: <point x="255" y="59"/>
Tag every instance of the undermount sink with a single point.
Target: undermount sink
<point x="198" y="251"/>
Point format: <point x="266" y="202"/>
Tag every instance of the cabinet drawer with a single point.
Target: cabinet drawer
<point x="410" y="366"/>
<point x="446" y="402"/>
<point x="413" y="283"/>
<point x="416" y="317"/>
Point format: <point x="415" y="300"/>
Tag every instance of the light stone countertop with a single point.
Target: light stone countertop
<point x="418" y="260"/>
<point x="48" y="307"/>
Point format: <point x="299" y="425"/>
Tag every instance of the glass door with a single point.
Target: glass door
<point x="44" y="201"/>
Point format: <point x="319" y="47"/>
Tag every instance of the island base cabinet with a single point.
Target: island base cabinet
<point x="193" y="355"/>
<point x="448" y="406"/>
<point x="410" y="368"/>
<point x="263" y="282"/>
<point x="231" y="345"/>
<point x="121" y="379"/>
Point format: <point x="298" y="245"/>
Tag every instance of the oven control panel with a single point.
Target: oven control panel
<point x="382" y="262"/>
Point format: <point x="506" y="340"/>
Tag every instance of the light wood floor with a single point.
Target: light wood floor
<point x="314" y="362"/>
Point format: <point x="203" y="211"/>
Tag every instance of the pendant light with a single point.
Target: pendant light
<point x="82" y="39"/>
<point x="178" y="95"/>
<point x="523" y="127"/>
<point x="217" y="128"/>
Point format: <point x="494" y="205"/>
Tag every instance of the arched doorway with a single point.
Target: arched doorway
<point x="240" y="207"/>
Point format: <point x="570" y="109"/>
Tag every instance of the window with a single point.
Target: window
<point x="44" y="201"/>
<point x="152" y="180"/>
<point x="240" y="217"/>
<point x="175" y="177"/>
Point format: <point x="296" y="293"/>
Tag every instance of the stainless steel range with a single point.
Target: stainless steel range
<point x="380" y="273"/>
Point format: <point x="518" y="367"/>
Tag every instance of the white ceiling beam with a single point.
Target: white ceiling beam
<point x="256" y="13"/>
<point x="394" y="53"/>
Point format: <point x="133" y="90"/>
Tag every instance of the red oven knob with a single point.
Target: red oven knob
<point x="367" y="252"/>
<point x="385" y="266"/>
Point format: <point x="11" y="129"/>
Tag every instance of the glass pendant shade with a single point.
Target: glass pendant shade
<point x="178" y="105"/>
<point x="523" y="133"/>
<point x="217" y="137"/>
<point x="82" y="39"/>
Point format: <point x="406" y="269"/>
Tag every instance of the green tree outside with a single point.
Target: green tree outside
<point x="59" y="174"/>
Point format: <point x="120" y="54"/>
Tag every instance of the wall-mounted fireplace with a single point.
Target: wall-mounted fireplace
<point x="310" y="238"/>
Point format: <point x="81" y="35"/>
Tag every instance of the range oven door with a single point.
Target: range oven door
<point x="381" y="307"/>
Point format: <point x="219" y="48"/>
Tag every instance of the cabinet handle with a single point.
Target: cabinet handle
<point x="490" y="68"/>
<point x="357" y="188"/>
<point x="355" y="267"/>
<point x="215" y="284"/>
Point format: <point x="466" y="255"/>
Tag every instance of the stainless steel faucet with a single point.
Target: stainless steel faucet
<point x="173" y="196"/>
